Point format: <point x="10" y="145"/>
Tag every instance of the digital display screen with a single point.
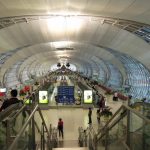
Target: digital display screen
<point x="43" y="97"/>
<point x="65" y="94"/>
<point x="88" y="99"/>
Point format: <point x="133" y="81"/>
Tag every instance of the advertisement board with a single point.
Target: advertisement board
<point x="43" y="97"/>
<point x="88" y="99"/>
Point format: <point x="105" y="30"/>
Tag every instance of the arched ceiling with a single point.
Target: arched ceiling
<point x="38" y="29"/>
<point x="136" y="10"/>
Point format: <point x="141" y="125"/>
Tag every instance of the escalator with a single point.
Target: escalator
<point x="127" y="129"/>
<point x="24" y="128"/>
<point x="8" y="125"/>
<point x="143" y="108"/>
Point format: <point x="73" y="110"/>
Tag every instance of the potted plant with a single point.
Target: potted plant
<point x="22" y="93"/>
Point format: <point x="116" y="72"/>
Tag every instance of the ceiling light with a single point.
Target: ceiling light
<point x="61" y="44"/>
<point x="64" y="24"/>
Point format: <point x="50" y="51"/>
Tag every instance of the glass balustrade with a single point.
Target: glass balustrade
<point x="3" y="135"/>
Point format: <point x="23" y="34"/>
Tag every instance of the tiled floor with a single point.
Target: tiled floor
<point x="74" y="118"/>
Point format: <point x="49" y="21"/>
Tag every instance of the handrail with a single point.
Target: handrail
<point x="37" y="127"/>
<point x="43" y="121"/>
<point x="83" y="136"/>
<point x="44" y="125"/>
<point x="25" y="125"/>
<point x="18" y="112"/>
<point x="7" y="111"/>
<point x="118" y="119"/>
<point x="137" y="113"/>
<point x="111" y="119"/>
<point x="23" y="128"/>
<point x="128" y="108"/>
<point x="111" y="126"/>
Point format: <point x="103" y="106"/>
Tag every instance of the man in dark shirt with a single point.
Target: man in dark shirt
<point x="11" y="101"/>
<point x="90" y="116"/>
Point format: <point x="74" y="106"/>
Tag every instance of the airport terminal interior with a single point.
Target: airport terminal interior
<point x="82" y="72"/>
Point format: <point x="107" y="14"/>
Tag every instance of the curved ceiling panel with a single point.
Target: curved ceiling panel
<point x="129" y="9"/>
<point x="88" y="32"/>
<point x="43" y="52"/>
<point x="39" y="33"/>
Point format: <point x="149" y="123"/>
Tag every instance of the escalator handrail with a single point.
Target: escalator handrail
<point x="115" y="122"/>
<point x="25" y="125"/>
<point x="16" y="114"/>
<point x="107" y="128"/>
<point x="23" y="128"/>
<point x="110" y="120"/>
<point x="89" y="131"/>
<point x="137" y="113"/>
<point x="43" y="121"/>
<point x="8" y="111"/>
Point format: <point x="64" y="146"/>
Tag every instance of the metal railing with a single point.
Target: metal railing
<point x="9" y="111"/>
<point x="125" y="119"/>
<point x="53" y="137"/>
<point x="127" y="129"/>
<point x="29" y="124"/>
<point x="87" y="137"/>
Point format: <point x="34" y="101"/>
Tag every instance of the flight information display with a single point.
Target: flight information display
<point x="65" y="94"/>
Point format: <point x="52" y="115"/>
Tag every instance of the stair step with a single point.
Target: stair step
<point x="72" y="148"/>
<point x="68" y="143"/>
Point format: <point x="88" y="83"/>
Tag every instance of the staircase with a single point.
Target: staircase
<point x="72" y="148"/>
<point x="69" y="145"/>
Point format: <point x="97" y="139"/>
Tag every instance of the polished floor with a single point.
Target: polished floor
<point x="74" y="118"/>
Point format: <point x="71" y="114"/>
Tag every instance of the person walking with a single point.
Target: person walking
<point x="60" y="128"/>
<point x="90" y="116"/>
<point x="98" y="116"/>
<point x="115" y="96"/>
<point x="102" y="104"/>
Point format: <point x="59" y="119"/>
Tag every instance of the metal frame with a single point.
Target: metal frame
<point x="110" y="125"/>
<point x="128" y="25"/>
<point x="8" y="111"/>
<point x="31" y="117"/>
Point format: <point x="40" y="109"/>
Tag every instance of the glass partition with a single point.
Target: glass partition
<point x="139" y="133"/>
<point x="9" y="125"/>
<point x="28" y="131"/>
<point x="113" y="131"/>
<point x="2" y="135"/>
<point x="127" y="129"/>
<point x="24" y="142"/>
<point x="116" y="136"/>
